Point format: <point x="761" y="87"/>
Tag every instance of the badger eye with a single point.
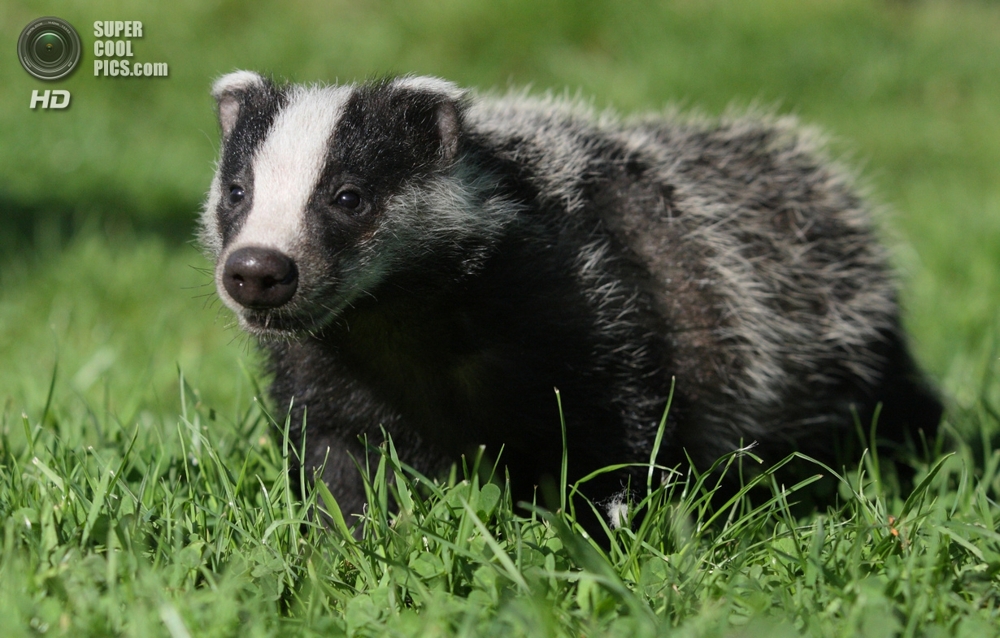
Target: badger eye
<point x="347" y="199"/>
<point x="236" y="194"/>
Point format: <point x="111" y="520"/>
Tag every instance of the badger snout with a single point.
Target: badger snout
<point x="260" y="278"/>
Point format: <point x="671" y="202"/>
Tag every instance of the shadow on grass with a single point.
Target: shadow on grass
<point x="45" y="226"/>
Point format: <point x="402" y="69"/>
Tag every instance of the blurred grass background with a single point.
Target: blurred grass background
<point x="98" y="203"/>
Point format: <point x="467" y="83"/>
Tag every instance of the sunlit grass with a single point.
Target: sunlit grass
<point x="190" y="526"/>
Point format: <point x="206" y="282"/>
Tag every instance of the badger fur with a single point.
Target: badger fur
<point x="432" y="261"/>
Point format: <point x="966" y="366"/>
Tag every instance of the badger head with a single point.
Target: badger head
<point x="323" y="193"/>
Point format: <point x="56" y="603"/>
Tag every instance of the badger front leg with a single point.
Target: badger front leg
<point x="333" y="413"/>
<point x="335" y="461"/>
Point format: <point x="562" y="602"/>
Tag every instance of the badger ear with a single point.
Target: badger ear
<point x="445" y="102"/>
<point x="450" y="128"/>
<point x="231" y="92"/>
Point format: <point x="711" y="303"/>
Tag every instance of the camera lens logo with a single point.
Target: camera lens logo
<point x="49" y="48"/>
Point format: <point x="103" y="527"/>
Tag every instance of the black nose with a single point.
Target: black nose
<point x="260" y="278"/>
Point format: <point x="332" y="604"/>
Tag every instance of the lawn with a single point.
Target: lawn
<point x="142" y="483"/>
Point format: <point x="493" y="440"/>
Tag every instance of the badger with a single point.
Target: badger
<point x="434" y="262"/>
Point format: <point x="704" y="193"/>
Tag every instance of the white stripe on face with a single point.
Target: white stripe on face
<point x="287" y="168"/>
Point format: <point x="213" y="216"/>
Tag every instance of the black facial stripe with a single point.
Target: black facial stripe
<point x="385" y="135"/>
<point x="259" y="108"/>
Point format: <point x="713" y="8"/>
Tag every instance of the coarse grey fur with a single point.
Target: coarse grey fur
<point x="445" y="258"/>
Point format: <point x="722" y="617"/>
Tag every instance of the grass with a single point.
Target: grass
<point x="190" y="527"/>
<point x="138" y="500"/>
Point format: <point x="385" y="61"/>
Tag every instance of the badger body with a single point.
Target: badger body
<point x="431" y="261"/>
